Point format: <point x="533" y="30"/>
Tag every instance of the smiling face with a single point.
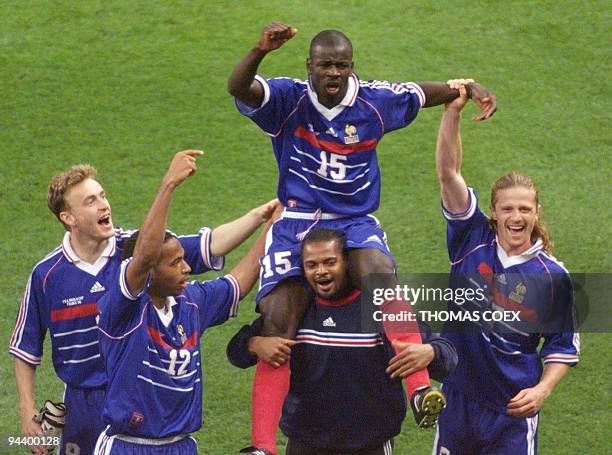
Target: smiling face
<point x="329" y="68"/>
<point x="87" y="212"/>
<point x="326" y="269"/>
<point x="515" y="212"/>
<point x="170" y="274"/>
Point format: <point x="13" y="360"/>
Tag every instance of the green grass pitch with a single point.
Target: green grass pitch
<point x="123" y="85"/>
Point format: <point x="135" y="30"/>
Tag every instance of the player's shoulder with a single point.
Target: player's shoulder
<point x="552" y="264"/>
<point x="288" y="83"/>
<point x="48" y="261"/>
<point x="121" y="235"/>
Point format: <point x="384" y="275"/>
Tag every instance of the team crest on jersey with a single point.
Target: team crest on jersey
<point x="519" y="293"/>
<point x="350" y="134"/>
<point x="136" y="420"/>
<point x="181" y="332"/>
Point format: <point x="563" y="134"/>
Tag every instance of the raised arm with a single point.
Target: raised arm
<point x="437" y="93"/>
<point x="448" y="156"/>
<point x="230" y="235"/>
<point x="246" y="271"/>
<point x="242" y="83"/>
<point x="151" y="235"/>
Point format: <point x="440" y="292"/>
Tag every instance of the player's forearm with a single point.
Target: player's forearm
<point x="448" y="162"/>
<point x="246" y="271"/>
<point x="437" y="93"/>
<point x="242" y="84"/>
<point x="151" y="235"/>
<point x="553" y="374"/>
<point x="25" y="375"/>
<point x="230" y="235"/>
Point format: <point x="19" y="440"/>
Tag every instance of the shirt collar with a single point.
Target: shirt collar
<point x="73" y="257"/>
<point x="348" y="100"/>
<point x="509" y="261"/>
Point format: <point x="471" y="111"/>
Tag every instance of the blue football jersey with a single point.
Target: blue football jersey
<point x="338" y="381"/>
<point x="153" y="357"/>
<point x="327" y="157"/>
<point x="497" y="360"/>
<point x="61" y="296"/>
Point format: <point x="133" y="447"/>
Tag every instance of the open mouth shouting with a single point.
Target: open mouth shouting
<point x="324" y="285"/>
<point x="105" y="220"/>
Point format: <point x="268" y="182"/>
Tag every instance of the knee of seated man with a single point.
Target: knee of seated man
<point x="282" y="310"/>
<point x="370" y="260"/>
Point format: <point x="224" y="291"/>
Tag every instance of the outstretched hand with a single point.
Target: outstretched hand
<point x="484" y="99"/>
<point x="274" y="35"/>
<point x="183" y="166"/>
<point x="268" y="210"/>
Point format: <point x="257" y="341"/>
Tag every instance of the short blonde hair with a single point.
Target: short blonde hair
<point x="61" y="183"/>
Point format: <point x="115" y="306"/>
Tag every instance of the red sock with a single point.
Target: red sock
<point x="407" y="331"/>
<point x="270" y="386"/>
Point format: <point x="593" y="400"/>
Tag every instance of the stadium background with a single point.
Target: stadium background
<point x="124" y="85"/>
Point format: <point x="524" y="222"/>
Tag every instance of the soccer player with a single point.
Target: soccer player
<point x="342" y="398"/>
<point x="324" y="135"/>
<point x="151" y="321"/>
<point x="63" y="290"/>
<point x="499" y="385"/>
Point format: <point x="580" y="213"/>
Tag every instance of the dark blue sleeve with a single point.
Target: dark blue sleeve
<point x="197" y="252"/>
<point x="120" y="309"/>
<point x="466" y="230"/>
<point x="30" y="326"/>
<point x="238" y="348"/>
<point x="281" y="96"/>
<point x="196" y="246"/>
<point x="217" y="300"/>
<point x="445" y="355"/>
<point x="562" y="341"/>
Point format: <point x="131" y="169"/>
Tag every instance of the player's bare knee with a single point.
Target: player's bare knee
<point x="365" y="261"/>
<point x="283" y="308"/>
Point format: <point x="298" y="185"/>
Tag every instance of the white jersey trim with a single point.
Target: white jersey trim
<point x="352" y="193"/>
<point x="25" y="356"/>
<point x="212" y="263"/>
<point x="63" y="334"/>
<point x="164" y="386"/>
<point x="87" y="359"/>
<point x="104" y="443"/>
<point x="467" y="213"/>
<point x="236" y="297"/>
<point x="77" y="346"/>
<point x="123" y="285"/>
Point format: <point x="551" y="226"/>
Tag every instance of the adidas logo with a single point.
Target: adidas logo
<point x="331" y="132"/>
<point x="329" y="322"/>
<point x="97" y="287"/>
<point x="501" y="278"/>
